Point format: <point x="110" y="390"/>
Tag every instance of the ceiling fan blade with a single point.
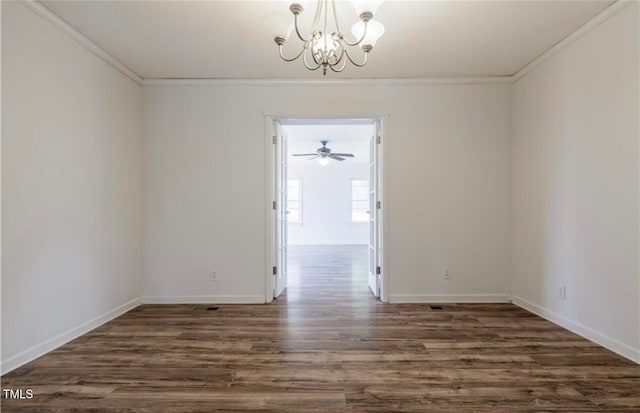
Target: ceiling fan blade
<point x="349" y="155"/>
<point x="313" y="157"/>
<point x="336" y="157"/>
<point x="304" y="154"/>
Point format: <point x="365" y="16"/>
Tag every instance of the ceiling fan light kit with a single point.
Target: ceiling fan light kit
<point x="321" y="49"/>
<point x="323" y="155"/>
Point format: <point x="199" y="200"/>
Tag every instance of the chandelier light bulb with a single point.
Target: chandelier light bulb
<point x="323" y="161"/>
<point x="375" y="30"/>
<point x="280" y="24"/>
<point x="366" y="6"/>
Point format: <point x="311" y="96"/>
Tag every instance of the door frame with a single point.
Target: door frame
<point x="383" y="190"/>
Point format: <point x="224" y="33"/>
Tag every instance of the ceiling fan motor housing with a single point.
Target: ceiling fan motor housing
<point x="324" y="151"/>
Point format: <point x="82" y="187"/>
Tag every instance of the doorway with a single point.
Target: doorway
<point x="325" y="203"/>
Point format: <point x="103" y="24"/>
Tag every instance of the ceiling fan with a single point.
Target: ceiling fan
<point x="324" y="154"/>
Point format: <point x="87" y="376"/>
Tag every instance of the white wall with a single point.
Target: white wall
<point x="326" y="204"/>
<point x="575" y="186"/>
<point x="448" y="167"/>
<point x="71" y="188"/>
<point x="326" y="190"/>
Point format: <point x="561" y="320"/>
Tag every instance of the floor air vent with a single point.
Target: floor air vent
<point x="437" y="307"/>
<point x="206" y="308"/>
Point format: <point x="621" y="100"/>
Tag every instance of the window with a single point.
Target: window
<point x="294" y="200"/>
<point x="359" y="200"/>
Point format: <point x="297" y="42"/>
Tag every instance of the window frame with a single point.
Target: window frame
<point x="352" y="200"/>
<point x="299" y="221"/>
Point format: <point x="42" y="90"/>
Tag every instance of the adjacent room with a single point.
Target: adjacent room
<point x="335" y="206"/>
<point x="328" y="210"/>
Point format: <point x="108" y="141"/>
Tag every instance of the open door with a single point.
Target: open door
<point x="277" y="202"/>
<point x="374" y="209"/>
<point x="280" y="216"/>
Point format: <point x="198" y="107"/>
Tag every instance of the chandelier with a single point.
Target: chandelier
<point x="326" y="46"/>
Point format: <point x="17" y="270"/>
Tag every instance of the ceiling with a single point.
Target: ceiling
<point x="230" y="40"/>
<point x="342" y="138"/>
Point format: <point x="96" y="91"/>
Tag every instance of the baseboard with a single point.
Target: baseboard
<point x="204" y="299"/>
<point x="327" y="243"/>
<point x="449" y="298"/>
<point x="597" y="337"/>
<point x="48" y="345"/>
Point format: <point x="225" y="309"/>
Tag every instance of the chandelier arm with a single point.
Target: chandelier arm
<point x="342" y="49"/>
<point x="313" y="25"/>
<point x="340" y="34"/>
<point x="316" y="17"/>
<point x="295" y="23"/>
<point x="313" y="55"/>
<point x="306" y="64"/>
<point x="290" y="59"/>
<point x="324" y="30"/>
<point x="333" y="55"/>
<point x="344" y="64"/>
<point x="364" y="34"/>
<point x="335" y="15"/>
<point x="366" y="56"/>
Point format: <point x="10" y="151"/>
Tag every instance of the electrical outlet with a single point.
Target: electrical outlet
<point x="562" y="292"/>
<point x="446" y="276"/>
<point x="213" y="276"/>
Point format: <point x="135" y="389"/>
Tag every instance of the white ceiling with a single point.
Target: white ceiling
<point x="343" y="138"/>
<point x="229" y="39"/>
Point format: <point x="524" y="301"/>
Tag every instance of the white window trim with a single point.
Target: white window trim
<point x="351" y="202"/>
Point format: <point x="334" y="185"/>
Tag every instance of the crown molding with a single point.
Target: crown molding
<point x="84" y="41"/>
<point x="596" y="21"/>
<point x="330" y="82"/>
<point x="63" y="26"/>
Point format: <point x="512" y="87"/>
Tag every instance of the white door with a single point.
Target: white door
<point x="280" y="197"/>
<point x="374" y="262"/>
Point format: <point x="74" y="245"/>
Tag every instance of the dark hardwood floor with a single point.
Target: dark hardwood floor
<point x="328" y="346"/>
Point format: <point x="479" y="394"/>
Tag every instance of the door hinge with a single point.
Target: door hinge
<point x="378" y="270"/>
<point x="275" y="270"/>
<point x="275" y="204"/>
<point x="275" y="139"/>
<point x="378" y="139"/>
<point x="378" y="204"/>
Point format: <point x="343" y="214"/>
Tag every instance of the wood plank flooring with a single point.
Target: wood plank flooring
<point x="328" y="346"/>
